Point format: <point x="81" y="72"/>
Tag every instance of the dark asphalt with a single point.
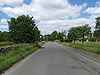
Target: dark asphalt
<point x="54" y="59"/>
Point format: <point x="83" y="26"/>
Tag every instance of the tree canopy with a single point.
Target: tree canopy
<point x="79" y="32"/>
<point x="85" y="31"/>
<point x="73" y="33"/>
<point x="54" y="35"/>
<point x="97" y="31"/>
<point x="23" y="29"/>
<point x="98" y="23"/>
<point x="4" y="36"/>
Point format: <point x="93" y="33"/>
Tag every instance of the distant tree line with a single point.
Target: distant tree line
<point x="24" y="30"/>
<point x="54" y="36"/>
<point x="81" y="33"/>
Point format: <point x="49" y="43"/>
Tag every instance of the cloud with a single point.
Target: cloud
<point x="53" y="15"/>
<point x="93" y="10"/>
<point x="45" y="9"/>
<point x="14" y="12"/>
<point x="47" y="26"/>
<point x="98" y="3"/>
<point x="94" y="13"/>
<point x="3" y="26"/>
<point x="10" y="2"/>
<point x="3" y="21"/>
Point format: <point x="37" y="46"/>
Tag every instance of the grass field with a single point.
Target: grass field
<point x="13" y="56"/>
<point x="93" y="47"/>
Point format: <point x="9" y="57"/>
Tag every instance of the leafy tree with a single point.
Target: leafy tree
<point x="54" y="35"/>
<point x="1" y="36"/>
<point x="48" y="37"/>
<point x="98" y="23"/>
<point x="61" y="36"/>
<point x="97" y="31"/>
<point x="79" y="32"/>
<point x="23" y="29"/>
<point x="73" y="33"/>
<point x="4" y="36"/>
<point x="85" y="31"/>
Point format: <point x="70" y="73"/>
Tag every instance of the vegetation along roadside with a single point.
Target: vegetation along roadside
<point x="93" y="47"/>
<point x="15" y="55"/>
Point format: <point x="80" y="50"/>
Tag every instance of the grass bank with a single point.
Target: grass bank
<point x="93" y="47"/>
<point x="6" y="43"/>
<point x="13" y="56"/>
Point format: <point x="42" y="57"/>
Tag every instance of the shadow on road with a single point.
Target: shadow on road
<point x="42" y="47"/>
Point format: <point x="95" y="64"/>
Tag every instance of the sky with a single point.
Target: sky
<point x="51" y="15"/>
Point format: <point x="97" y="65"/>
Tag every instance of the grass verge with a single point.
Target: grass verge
<point x="13" y="56"/>
<point x="6" y="43"/>
<point x="93" y="47"/>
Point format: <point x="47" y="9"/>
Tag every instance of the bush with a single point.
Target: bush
<point x="68" y="40"/>
<point x="61" y="40"/>
<point x="92" y="39"/>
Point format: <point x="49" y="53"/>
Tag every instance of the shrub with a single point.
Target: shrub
<point x="68" y="40"/>
<point x="92" y="39"/>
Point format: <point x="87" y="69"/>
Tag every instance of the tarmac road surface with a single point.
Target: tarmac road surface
<point x="55" y="59"/>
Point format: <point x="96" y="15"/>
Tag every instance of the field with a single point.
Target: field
<point x="13" y="56"/>
<point x="93" y="47"/>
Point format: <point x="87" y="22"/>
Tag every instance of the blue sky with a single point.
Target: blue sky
<point x="51" y="15"/>
<point x="89" y="2"/>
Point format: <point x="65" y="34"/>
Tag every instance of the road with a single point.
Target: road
<point x="54" y="59"/>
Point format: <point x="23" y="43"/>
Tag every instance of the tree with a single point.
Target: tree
<point x="98" y="23"/>
<point x="61" y="36"/>
<point x="77" y="33"/>
<point x="85" y="31"/>
<point x="97" y="31"/>
<point x="23" y="29"/>
<point x="4" y="36"/>
<point x="74" y="33"/>
<point x="54" y="35"/>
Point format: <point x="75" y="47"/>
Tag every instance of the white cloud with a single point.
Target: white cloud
<point x="3" y="21"/>
<point x="93" y="10"/>
<point x="45" y="9"/>
<point x="14" y="12"/>
<point x="53" y="15"/>
<point x="84" y="4"/>
<point x="47" y="26"/>
<point x="3" y="26"/>
<point x="10" y="2"/>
